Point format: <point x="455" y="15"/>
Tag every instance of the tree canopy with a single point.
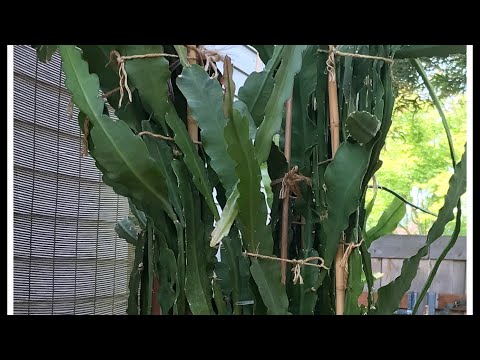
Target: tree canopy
<point x="416" y="162"/>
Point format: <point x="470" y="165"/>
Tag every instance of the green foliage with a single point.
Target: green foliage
<point x="205" y="99"/>
<point x="417" y="141"/>
<point x="169" y="181"/>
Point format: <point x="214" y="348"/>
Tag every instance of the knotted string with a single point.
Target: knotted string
<point x="290" y="182"/>
<point x="297" y="277"/>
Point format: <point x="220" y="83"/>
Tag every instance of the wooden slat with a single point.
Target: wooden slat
<point x="458" y="252"/>
<point x="404" y="246"/>
<point x="362" y="300"/>
<point x="396" y="246"/>
<point x="443" y="300"/>
<point x="450" y="277"/>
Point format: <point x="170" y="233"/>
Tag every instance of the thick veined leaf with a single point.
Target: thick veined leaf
<point x="146" y="286"/>
<point x="138" y="215"/>
<point x="180" y="301"/>
<point x="191" y="159"/>
<point x="45" y="52"/>
<point x="390" y="295"/>
<point x="229" y="214"/>
<point x="219" y="300"/>
<point x="135" y="275"/>
<point x="291" y="64"/>
<point x="98" y="58"/>
<point x="362" y="126"/>
<point x="166" y="270"/>
<point x="369" y="207"/>
<point x="267" y="276"/>
<point x="388" y="221"/>
<point x="258" y="87"/>
<point x="416" y="51"/>
<point x="277" y="167"/>
<point x="122" y="156"/>
<point x="182" y="55"/>
<point x="205" y="99"/>
<point x="378" y="88"/>
<point x="343" y="178"/>
<point x="355" y="285"/>
<point x="256" y="235"/>
<point x="128" y="230"/>
<point x="150" y="76"/>
<point x="367" y="270"/>
<point x="204" y="248"/>
<point x="305" y="295"/>
<point x="375" y="163"/>
<point x="197" y="284"/>
<point x="242" y="107"/>
<point x="255" y="93"/>
<point x="229" y="93"/>
<point x="265" y="52"/>
<point x="303" y="127"/>
<point x="267" y="184"/>
<point x="162" y="155"/>
<point x="347" y="73"/>
<point x="238" y="281"/>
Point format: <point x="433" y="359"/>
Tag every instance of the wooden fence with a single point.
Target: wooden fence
<point x="389" y="252"/>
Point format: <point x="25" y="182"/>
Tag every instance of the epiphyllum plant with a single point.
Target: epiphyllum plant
<point x="179" y="134"/>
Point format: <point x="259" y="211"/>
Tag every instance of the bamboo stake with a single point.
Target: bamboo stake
<point x="340" y="285"/>
<point x="287" y="151"/>
<point x="191" y="123"/>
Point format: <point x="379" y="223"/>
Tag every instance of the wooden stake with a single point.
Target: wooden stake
<point x="287" y="152"/>
<point x="191" y="123"/>
<point x="340" y="285"/>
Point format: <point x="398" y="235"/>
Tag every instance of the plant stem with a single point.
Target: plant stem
<point x="340" y="285"/>
<point x="286" y="200"/>
<point x="421" y="71"/>
<point x="403" y="199"/>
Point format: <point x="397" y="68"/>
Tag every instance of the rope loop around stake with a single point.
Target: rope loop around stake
<point x="334" y="51"/>
<point x="290" y="182"/>
<point x="297" y="277"/>
<point x="210" y="57"/>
